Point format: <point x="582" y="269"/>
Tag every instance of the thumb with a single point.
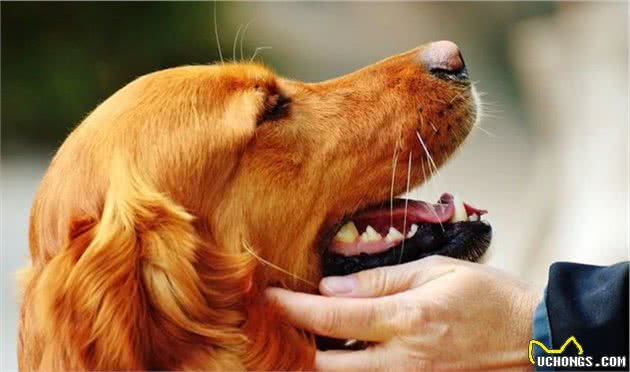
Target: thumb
<point x="388" y="280"/>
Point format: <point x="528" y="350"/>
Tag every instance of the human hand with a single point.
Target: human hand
<point x="435" y="313"/>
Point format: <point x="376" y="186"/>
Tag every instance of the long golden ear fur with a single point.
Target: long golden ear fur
<point x="137" y="289"/>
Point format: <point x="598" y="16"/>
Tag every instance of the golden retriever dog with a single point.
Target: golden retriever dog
<point x="179" y="199"/>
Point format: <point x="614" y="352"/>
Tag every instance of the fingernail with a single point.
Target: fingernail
<point x="339" y="284"/>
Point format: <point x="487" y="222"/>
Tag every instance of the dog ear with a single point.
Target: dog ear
<point x="136" y="289"/>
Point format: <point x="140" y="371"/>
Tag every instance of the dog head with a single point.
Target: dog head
<point x="178" y="199"/>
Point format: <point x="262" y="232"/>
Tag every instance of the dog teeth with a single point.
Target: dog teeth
<point x="393" y="235"/>
<point x="370" y="235"/>
<point x="460" y="211"/>
<point x="348" y="233"/>
<point x="473" y="217"/>
<point x="412" y="230"/>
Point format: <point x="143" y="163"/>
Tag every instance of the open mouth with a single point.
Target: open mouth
<point x="406" y="230"/>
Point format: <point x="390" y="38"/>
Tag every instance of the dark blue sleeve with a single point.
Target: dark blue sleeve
<point x="590" y="303"/>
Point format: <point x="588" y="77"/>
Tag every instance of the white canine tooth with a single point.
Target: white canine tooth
<point x="348" y="233"/>
<point x="473" y="217"/>
<point x="460" y="211"/>
<point x="371" y="234"/>
<point x="393" y="235"/>
<point x="412" y="230"/>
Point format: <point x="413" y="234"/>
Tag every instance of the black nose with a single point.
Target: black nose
<point x="443" y="59"/>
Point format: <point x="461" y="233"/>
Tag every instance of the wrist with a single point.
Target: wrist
<point x="525" y="303"/>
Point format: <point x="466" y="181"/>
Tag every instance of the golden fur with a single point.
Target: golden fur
<point x="170" y="208"/>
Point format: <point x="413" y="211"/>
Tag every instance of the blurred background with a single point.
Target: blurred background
<point x="549" y="159"/>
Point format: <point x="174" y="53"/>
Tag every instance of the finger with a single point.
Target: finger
<point x="383" y="281"/>
<point x="363" y="319"/>
<point x="336" y="360"/>
<point x="374" y="358"/>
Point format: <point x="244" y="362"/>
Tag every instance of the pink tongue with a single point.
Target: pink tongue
<point x="417" y="212"/>
<point x="382" y="218"/>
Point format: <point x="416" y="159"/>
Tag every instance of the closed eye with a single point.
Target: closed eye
<point x="276" y="107"/>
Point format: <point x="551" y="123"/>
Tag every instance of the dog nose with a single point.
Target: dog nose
<point x="443" y="59"/>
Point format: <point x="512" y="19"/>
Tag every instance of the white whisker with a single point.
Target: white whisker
<point x="256" y="51"/>
<point x="234" y="43"/>
<point x="485" y="131"/>
<point x="251" y="251"/>
<point x="391" y="192"/>
<point x="216" y="32"/>
<point x="431" y="165"/>
<point x="402" y="248"/>
<point x="490" y="103"/>
<point x="243" y="35"/>
<point x="426" y="151"/>
<point x="491" y="113"/>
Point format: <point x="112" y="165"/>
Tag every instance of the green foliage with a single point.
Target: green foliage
<point x="60" y="59"/>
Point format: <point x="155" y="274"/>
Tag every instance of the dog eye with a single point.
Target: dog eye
<point x="276" y="107"/>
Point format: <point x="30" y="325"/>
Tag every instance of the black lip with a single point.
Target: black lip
<point x="467" y="240"/>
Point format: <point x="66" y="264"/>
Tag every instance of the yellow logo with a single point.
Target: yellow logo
<point x="553" y="351"/>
